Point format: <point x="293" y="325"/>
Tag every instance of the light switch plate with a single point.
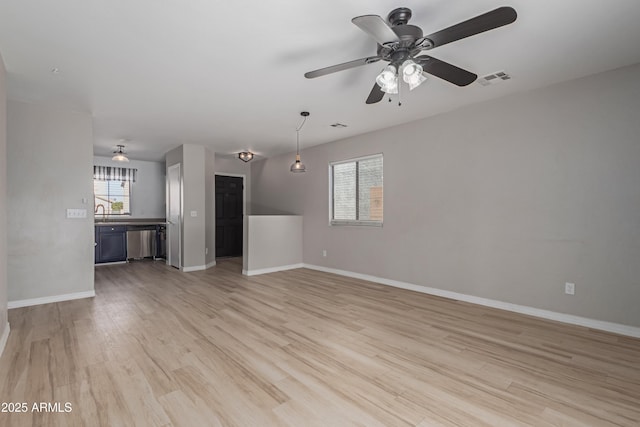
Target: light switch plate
<point x="76" y="213"/>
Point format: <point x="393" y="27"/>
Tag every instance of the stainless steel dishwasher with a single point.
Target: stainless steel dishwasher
<point x="141" y="241"/>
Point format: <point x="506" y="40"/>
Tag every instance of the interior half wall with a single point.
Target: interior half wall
<point x="505" y="200"/>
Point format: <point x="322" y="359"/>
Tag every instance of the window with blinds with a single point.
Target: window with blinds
<point x="356" y="191"/>
<point x="112" y="197"/>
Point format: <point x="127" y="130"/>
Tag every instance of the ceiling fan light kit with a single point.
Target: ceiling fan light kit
<point x="412" y="74"/>
<point x="120" y="155"/>
<point x="401" y="45"/>
<point x="298" y="166"/>
<point x="388" y="79"/>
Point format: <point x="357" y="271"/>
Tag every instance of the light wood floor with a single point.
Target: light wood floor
<point x="304" y="348"/>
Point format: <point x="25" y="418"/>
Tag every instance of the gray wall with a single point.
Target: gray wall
<point x="506" y="200"/>
<point x="197" y="176"/>
<point x="49" y="154"/>
<point x="274" y="242"/>
<point x="3" y="201"/>
<point x="194" y="201"/>
<point x="148" y="192"/>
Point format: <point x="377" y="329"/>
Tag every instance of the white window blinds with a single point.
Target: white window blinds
<point x="357" y="191"/>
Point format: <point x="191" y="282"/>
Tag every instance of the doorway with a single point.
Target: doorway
<point x="174" y="217"/>
<point x="229" y="215"/>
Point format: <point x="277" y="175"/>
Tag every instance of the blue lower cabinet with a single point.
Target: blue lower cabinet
<point x="111" y="243"/>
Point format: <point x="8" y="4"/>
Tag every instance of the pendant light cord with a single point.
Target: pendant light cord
<point x="304" y="120"/>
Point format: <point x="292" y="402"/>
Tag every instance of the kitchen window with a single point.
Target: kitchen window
<point x="356" y="191"/>
<point x="112" y="190"/>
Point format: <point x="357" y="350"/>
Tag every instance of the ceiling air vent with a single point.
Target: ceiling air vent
<point x="494" y="78"/>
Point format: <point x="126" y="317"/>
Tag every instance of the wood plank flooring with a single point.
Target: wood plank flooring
<point x="157" y="347"/>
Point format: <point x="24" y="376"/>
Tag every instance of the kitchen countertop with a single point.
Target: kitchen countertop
<point x="132" y="221"/>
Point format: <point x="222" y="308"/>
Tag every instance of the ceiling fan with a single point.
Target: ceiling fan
<point x="401" y="44"/>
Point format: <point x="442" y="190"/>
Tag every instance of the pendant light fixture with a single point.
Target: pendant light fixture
<point x="119" y="155"/>
<point x="245" y="156"/>
<point x="298" y="166"/>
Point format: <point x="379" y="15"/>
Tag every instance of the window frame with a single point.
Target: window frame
<point x="107" y="213"/>
<point x="356" y="222"/>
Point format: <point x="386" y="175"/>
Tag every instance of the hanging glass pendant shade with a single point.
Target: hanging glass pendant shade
<point x="298" y="166"/>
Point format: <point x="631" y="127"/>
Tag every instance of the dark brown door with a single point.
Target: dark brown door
<point x="228" y="216"/>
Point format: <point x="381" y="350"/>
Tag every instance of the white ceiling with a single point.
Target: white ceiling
<point x="229" y="75"/>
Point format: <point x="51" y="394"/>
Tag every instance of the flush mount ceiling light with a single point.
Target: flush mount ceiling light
<point x="298" y="166"/>
<point x="245" y="156"/>
<point x="119" y="154"/>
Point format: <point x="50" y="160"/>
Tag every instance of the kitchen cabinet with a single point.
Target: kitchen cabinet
<point x="111" y="243"/>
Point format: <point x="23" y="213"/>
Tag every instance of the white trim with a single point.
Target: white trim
<point x="272" y="269"/>
<point x="357" y="159"/>
<point x="347" y="222"/>
<point x="194" y="268"/>
<point x="54" y="298"/>
<point x="180" y="225"/>
<point x="632" y="331"/>
<point x="356" y="223"/>
<point x="4" y="338"/>
<point x="211" y="264"/>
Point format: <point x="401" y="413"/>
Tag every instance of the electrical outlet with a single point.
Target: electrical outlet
<point x="206" y="251"/>
<point x="570" y="288"/>
<point x="324" y="252"/>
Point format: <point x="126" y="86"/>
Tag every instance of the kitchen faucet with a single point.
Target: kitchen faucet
<point x="104" y="212"/>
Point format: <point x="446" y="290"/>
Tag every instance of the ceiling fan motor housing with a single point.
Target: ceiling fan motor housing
<point x="408" y="35"/>
<point x="399" y="16"/>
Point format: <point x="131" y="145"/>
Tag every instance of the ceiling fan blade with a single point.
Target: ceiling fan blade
<point x="375" y="95"/>
<point x="341" y="67"/>
<point x="446" y="71"/>
<point x="481" y="23"/>
<point x="377" y="28"/>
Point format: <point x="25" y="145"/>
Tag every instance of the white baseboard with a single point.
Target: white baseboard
<point x="198" y="267"/>
<point x="54" y="298"/>
<point x="194" y="268"/>
<point x="4" y="338"/>
<point x="271" y="269"/>
<point x="617" y="328"/>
